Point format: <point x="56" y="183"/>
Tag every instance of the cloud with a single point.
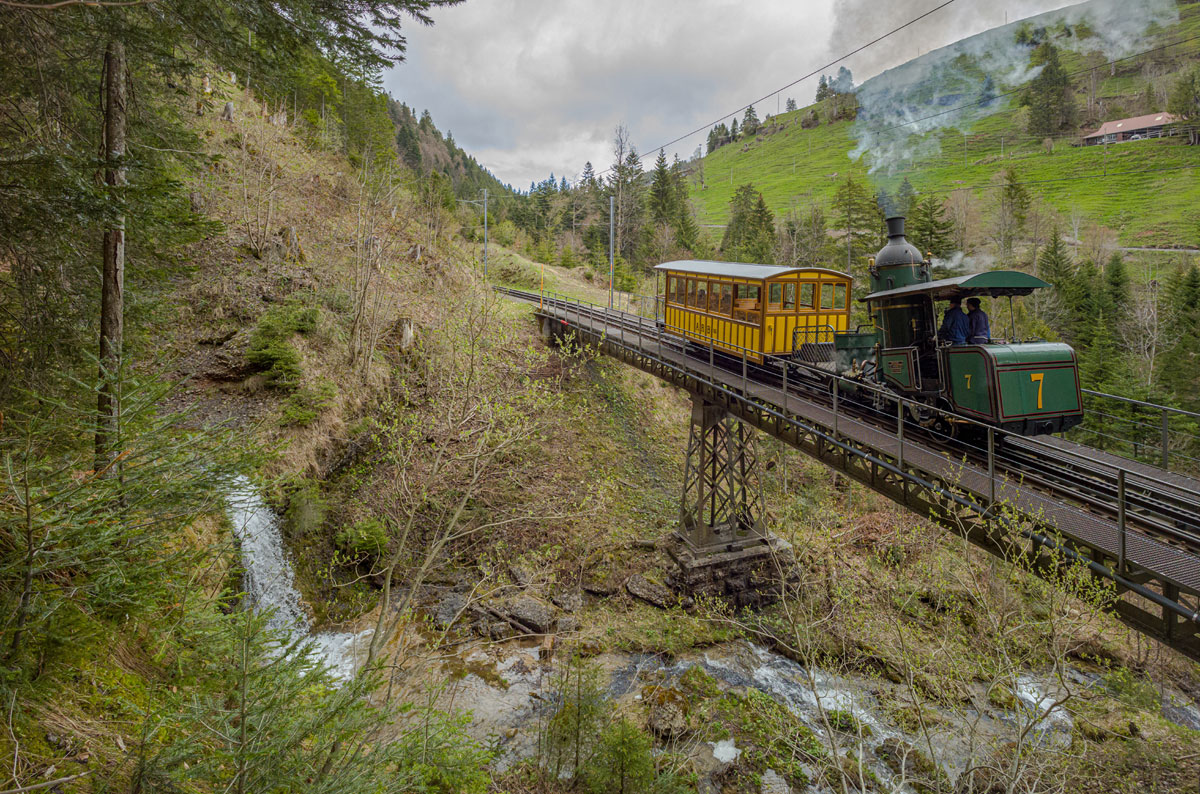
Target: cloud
<point x="532" y="87"/>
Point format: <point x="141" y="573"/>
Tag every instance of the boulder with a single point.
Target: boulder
<point x="568" y="624"/>
<point x="773" y="783"/>
<point x="650" y="592"/>
<point x="520" y="574"/>
<point x="451" y="608"/>
<point x="533" y="614"/>
<point x="568" y="600"/>
<point x="668" y="713"/>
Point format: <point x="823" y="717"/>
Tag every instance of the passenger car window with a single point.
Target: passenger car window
<point x="726" y="299"/>
<point x="774" y="295"/>
<point x="789" y="297"/>
<point x="839" y="296"/>
<point x="826" y="296"/>
<point x="806" y="295"/>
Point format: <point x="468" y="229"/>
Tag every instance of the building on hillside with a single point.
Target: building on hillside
<point x="1134" y="129"/>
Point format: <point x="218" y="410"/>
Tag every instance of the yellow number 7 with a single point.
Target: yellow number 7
<point x="1038" y="377"/>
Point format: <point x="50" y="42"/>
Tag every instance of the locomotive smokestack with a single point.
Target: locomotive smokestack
<point x="899" y="263"/>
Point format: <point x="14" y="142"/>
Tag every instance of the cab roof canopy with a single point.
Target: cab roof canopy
<point x="703" y="267"/>
<point x="992" y="284"/>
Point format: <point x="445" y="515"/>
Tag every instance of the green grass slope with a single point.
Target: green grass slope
<point x="1147" y="191"/>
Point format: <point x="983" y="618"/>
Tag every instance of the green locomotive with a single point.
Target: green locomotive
<point x="1028" y="387"/>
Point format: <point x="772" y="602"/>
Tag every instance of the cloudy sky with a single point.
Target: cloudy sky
<point x="534" y="87"/>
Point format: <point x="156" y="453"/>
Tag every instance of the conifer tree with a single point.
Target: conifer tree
<point x="823" y="91"/>
<point x="1049" y="97"/>
<point x="1184" y="101"/>
<point x="1056" y="267"/>
<point x="790" y="105"/>
<point x="750" y="235"/>
<point x="1117" y="296"/>
<point x="662" y="192"/>
<point x="1181" y="361"/>
<point x="750" y="122"/>
<point x="929" y="228"/>
<point x="858" y="219"/>
<point x="905" y="197"/>
<point x="733" y="130"/>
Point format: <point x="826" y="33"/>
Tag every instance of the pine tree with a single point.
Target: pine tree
<point x="1056" y="267"/>
<point x="733" y="130"/>
<point x="662" y="192"/>
<point x="1184" y="101"/>
<point x="823" y="91"/>
<point x="844" y="84"/>
<point x="1049" y="97"/>
<point x="1010" y="208"/>
<point x="790" y="105"/>
<point x="858" y="218"/>
<point x="750" y="122"/>
<point x="750" y="234"/>
<point x="929" y="228"/>
<point x="905" y="197"/>
<point x="1116" y="288"/>
<point x="686" y="232"/>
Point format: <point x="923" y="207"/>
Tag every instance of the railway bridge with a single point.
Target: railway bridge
<point x="1131" y="524"/>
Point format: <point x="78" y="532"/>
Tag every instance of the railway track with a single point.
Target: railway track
<point x="1164" y="510"/>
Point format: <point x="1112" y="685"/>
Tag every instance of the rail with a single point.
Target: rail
<point x="1141" y="504"/>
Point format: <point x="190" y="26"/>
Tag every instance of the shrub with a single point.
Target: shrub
<point x="271" y="350"/>
<point x="306" y="509"/>
<point x="306" y="404"/>
<point x="367" y="538"/>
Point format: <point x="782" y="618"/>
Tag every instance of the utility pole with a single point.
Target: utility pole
<point x="612" y="268"/>
<point x="485" y="226"/>
<point x="964" y="148"/>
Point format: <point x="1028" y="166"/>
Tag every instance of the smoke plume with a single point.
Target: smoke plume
<point x="952" y="87"/>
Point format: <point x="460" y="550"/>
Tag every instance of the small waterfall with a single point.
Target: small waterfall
<point x="270" y="583"/>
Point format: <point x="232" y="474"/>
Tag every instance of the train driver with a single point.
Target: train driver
<point x="980" y="332"/>
<point x="955" y="324"/>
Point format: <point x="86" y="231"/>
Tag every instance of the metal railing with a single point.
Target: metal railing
<point x="1161" y="435"/>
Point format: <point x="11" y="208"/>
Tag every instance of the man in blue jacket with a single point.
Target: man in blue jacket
<point x="954" y="324"/>
<point x="980" y="331"/>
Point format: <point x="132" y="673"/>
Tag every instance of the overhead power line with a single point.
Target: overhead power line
<point x="813" y="73"/>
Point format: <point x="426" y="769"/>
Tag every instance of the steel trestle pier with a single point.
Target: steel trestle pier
<point x="1135" y="527"/>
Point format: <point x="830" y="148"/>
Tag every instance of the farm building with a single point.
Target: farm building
<point x="1136" y="128"/>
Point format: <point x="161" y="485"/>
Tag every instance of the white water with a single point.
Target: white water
<point x="270" y="584"/>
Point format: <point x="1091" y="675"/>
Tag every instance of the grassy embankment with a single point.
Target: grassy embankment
<point x="794" y="167"/>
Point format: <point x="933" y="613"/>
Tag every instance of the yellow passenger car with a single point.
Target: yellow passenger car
<point x="767" y="309"/>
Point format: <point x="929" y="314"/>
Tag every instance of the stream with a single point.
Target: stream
<point x="270" y="584"/>
<point x="508" y="705"/>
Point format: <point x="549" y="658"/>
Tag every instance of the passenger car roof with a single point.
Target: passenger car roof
<point x="992" y="283"/>
<point x="741" y="269"/>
